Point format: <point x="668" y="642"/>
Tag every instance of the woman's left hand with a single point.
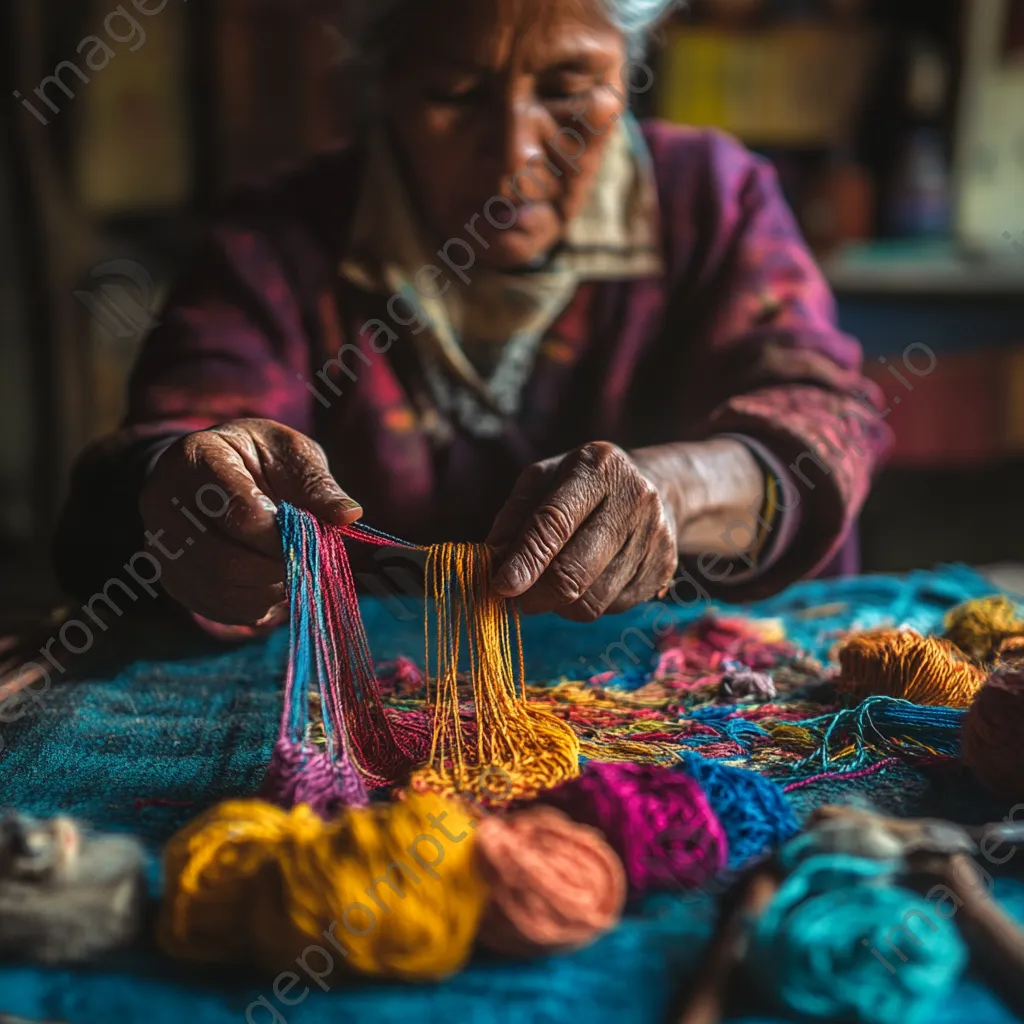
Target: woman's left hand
<point x="584" y="534"/>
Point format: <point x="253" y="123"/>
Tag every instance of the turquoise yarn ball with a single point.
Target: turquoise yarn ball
<point x="820" y="949"/>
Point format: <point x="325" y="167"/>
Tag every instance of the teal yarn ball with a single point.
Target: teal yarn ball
<point x="821" y="947"/>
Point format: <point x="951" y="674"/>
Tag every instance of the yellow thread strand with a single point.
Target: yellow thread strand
<point x="771" y="508"/>
<point x="580" y="693"/>
<point x="531" y="746"/>
<point x="794" y="737"/>
<point x="623" y="750"/>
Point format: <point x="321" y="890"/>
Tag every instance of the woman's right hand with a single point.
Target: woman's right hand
<point x="209" y="509"/>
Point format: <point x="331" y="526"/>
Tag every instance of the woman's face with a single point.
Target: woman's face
<point x="502" y="110"/>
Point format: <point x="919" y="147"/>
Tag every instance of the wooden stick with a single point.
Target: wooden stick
<point x="995" y="940"/>
<point x="705" y="1001"/>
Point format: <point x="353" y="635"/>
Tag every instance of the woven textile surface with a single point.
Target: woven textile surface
<point x="150" y="745"/>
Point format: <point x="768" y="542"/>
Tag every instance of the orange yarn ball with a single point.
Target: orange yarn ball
<point x="555" y="885"/>
<point x="904" y="664"/>
<point x="993" y="731"/>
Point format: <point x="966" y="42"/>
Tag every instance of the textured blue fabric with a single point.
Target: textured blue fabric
<point x="815" y="613"/>
<point x="145" y="749"/>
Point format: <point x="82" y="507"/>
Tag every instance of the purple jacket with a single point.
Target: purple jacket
<point x="738" y="336"/>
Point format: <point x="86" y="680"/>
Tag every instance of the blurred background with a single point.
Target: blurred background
<point x="897" y="127"/>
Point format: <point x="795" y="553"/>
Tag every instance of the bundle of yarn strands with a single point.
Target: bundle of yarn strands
<point x="363" y="745"/>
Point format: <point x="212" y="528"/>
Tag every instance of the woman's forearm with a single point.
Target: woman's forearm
<point x="714" y="491"/>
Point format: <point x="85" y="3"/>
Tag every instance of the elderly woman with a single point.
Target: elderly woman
<point x="508" y="311"/>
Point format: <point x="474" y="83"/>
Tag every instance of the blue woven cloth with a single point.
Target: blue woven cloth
<point x="146" y="749"/>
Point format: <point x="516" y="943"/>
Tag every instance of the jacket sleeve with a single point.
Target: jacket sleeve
<point x="774" y="365"/>
<point x="230" y="344"/>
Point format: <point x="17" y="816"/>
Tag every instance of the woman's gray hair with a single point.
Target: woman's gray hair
<point x="636" y="18"/>
<point x="371" y="27"/>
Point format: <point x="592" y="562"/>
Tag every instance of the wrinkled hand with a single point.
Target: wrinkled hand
<point x="230" y="568"/>
<point x="584" y="534"/>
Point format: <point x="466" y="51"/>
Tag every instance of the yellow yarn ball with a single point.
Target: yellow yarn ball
<point x="390" y="891"/>
<point x="904" y="664"/>
<point x="978" y="627"/>
<point x="210" y="868"/>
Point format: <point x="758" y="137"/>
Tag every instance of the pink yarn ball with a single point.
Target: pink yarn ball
<point x="657" y="820"/>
